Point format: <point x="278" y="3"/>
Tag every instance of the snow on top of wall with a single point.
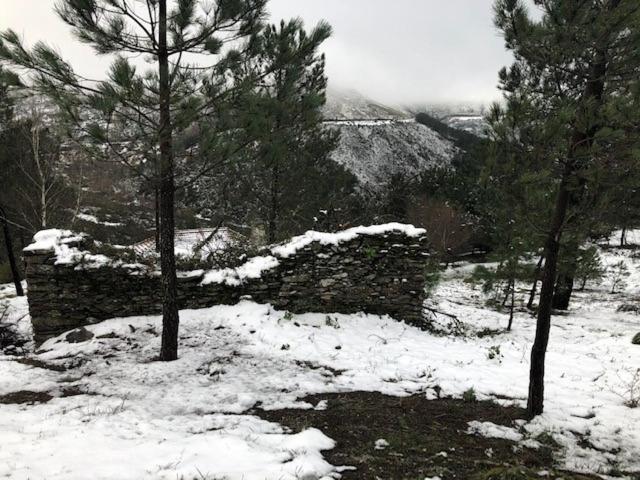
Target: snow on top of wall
<point x="297" y="243"/>
<point x="253" y="268"/>
<point x="256" y="266"/>
<point x="63" y="243"/>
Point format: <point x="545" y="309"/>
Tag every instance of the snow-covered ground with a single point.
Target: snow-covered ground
<point x="134" y="418"/>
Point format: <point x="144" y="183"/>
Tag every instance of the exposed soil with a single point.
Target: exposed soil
<point x="425" y="438"/>
<point x="25" y="396"/>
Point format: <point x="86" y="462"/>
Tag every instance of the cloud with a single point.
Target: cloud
<point x="400" y="51"/>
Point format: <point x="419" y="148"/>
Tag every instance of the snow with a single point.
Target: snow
<point x="490" y="430"/>
<point x="253" y="268"/>
<point x="375" y="150"/>
<point x="297" y="243"/>
<point x="143" y="419"/>
<point x="256" y="266"/>
<point x="49" y="240"/>
<point x="198" y="242"/>
<point x="62" y="244"/>
<point x="380" y="444"/>
<point x="93" y="219"/>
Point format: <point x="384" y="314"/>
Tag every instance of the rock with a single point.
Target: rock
<point x="78" y="335"/>
<point x="636" y="339"/>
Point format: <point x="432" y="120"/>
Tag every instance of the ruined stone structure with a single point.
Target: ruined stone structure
<point x="377" y="270"/>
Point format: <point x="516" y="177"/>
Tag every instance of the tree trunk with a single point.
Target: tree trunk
<point x="583" y="284"/>
<point x="623" y="237"/>
<point x="535" y="403"/>
<point x="534" y="287"/>
<point x="563" y="291"/>
<point x="512" y="305"/>
<point x="157" y="215"/>
<point x="274" y="207"/>
<point x="15" y="273"/>
<point x="170" y="318"/>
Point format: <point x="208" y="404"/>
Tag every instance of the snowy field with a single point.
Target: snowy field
<point x="116" y="413"/>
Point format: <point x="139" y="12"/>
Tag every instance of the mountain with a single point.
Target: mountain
<point x="378" y="141"/>
<point x="351" y="105"/>
<point x="468" y="117"/>
<point x="474" y="124"/>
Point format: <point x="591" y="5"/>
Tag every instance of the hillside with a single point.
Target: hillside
<point x="375" y="150"/>
<point x="351" y="105"/>
<point x="379" y="141"/>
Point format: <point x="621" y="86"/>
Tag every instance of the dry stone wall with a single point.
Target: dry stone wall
<point x="378" y="270"/>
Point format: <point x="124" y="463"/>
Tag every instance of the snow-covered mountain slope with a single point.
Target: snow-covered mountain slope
<point x="475" y="124"/>
<point x="374" y="151"/>
<point x="351" y="105"/>
<point x="377" y="142"/>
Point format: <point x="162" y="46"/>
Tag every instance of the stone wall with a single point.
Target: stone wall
<point x="377" y="270"/>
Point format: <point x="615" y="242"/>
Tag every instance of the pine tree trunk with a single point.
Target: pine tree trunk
<point x="15" y="273"/>
<point x="563" y="291"/>
<point x="157" y="216"/>
<point x="274" y="207"/>
<point x="512" y="305"/>
<point x="170" y="318"/>
<point x="535" y="403"/>
<point x="534" y="287"/>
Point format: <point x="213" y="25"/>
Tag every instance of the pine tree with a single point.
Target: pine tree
<point x="286" y="165"/>
<point x="578" y="68"/>
<point x="590" y="267"/>
<point x="141" y="116"/>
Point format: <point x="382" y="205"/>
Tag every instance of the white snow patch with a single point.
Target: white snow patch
<point x="253" y="268"/>
<point x="256" y="266"/>
<point x="297" y="243"/>
<point x="491" y="430"/>
<point x="380" y="444"/>
<point x="93" y="219"/>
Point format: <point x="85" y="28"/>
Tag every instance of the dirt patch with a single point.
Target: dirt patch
<point x="422" y="438"/>
<point x="25" y="396"/>
<point x="34" y="362"/>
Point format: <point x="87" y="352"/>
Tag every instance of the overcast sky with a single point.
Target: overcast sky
<point x="398" y="51"/>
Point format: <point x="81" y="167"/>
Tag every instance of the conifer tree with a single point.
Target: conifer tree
<point x="578" y="68"/>
<point x="288" y="164"/>
<point x="139" y="116"/>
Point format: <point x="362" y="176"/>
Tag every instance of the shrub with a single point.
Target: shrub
<point x="469" y="396"/>
<point x="432" y="277"/>
<point x="619" y="274"/>
<point x="494" y="353"/>
<point x="590" y="267"/>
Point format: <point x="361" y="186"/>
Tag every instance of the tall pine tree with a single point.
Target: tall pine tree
<point x="137" y="116"/>
<point x="578" y="67"/>
<point x="289" y="162"/>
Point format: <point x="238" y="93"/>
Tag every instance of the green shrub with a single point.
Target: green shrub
<point x="469" y="396"/>
<point x="432" y="277"/>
